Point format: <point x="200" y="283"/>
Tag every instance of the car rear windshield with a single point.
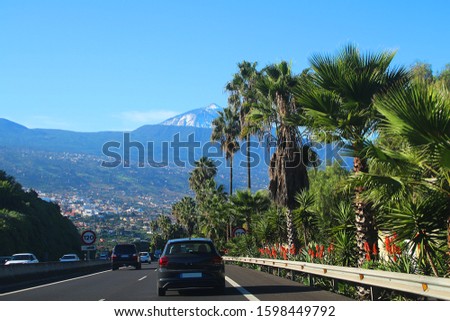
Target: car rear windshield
<point x="189" y="247"/>
<point x="125" y="248"/>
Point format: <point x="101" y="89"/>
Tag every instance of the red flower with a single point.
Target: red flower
<point x="274" y="252"/>
<point x="367" y="256"/>
<point x="330" y="248"/>
<point x="375" y="249"/>
<point x="366" y="247"/>
<point x="292" y="249"/>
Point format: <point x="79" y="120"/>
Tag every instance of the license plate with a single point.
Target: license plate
<point x="124" y="256"/>
<point x="190" y="275"/>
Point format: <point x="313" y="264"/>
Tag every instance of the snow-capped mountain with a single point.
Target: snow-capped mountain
<point x="201" y="117"/>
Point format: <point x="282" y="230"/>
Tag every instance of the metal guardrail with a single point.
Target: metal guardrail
<point x="14" y="274"/>
<point x="427" y="286"/>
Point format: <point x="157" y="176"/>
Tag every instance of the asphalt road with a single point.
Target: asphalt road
<point x="127" y="284"/>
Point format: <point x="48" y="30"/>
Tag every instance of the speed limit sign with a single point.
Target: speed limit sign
<point x="88" y="237"/>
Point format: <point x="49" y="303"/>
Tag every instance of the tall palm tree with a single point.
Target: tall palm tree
<point x="242" y="97"/>
<point x="205" y="169"/>
<point x="214" y="213"/>
<point x="226" y="130"/>
<point x="339" y="101"/>
<point x="276" y="104"/>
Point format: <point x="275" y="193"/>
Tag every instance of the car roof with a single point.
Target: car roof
<point x="189" y="240"/>
<point x="23" y="254"/>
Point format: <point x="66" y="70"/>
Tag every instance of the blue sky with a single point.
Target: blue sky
<point x="117" y="65"/>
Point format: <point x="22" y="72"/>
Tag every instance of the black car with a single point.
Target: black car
<point x="190" y="263"/>
<point x="125" y="255"/>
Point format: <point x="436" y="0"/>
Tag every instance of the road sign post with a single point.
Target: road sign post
<point x="88" y="238"/>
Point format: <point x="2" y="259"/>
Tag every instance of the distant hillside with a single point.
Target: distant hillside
<point x="153" y="160"/>
<point x="8" y="125"/>
<point x="59" y="161"/>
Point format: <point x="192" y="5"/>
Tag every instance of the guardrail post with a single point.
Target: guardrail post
<point x="334" y="283"/>
<point x="374" y="292"/>
<point x="292" y="275"/>
<point x="311" y="280"/>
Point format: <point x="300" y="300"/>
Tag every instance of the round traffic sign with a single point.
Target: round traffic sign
<point x="88" y="237"/>
<point x="238" y="231"/>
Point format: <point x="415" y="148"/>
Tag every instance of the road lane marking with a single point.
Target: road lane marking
<point x="241" y="289"/>
<point x="143" y="278"/>
<point x="54" y="283"/>
<point x="102" y="300"/>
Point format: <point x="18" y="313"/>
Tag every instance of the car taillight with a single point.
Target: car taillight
<point x="217" y="260"/>
<point x="113" y="256"/>
<point x="164" y="261"/>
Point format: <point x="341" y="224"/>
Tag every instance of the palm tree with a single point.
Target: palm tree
<point x="242" y="97"/>
<point x="339" y="101"/>
<point x="411" y="183"/>
<point x="226" y="129"/>
<point x="271" y="227"/>
<point x="303" y="215"/>
<point x="247" y="205"/>
<point x="205" y="169"/>
<point x="185" y="211"/>
<point x="214" y="212"/>
<point x="276" y="104"/>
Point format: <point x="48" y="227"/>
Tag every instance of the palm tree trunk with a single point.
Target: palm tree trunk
<point x="365" y="223"/>
<point x="249" y="183"/>
<point x="231" y="175"/>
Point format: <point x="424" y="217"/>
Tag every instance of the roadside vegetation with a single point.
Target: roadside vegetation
<point x="391" y="211"/>
<point x="30" y="224"/>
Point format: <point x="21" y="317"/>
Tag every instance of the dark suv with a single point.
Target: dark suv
<point x="124" y="255"/>
<point x="190" y="263"/>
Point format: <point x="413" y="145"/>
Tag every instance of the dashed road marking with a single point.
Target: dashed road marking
<point x="241" y="289"/>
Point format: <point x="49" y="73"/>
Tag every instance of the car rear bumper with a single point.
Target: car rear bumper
<point x="173" y="280"/>
<point x="125" y="263"/>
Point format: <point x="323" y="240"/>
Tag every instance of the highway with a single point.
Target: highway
<point x="127" y="284"/>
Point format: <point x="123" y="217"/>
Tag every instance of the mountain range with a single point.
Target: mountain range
<point x="153" y="160"/>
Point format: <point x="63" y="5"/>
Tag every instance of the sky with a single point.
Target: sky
<point x="90" y="66"/>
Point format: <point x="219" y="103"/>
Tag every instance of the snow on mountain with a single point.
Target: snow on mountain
<point x="201" y="117"/>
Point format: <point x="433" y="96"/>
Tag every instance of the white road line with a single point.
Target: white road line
<point x="243" y="291"/>
<point x="50" y="284"/>
<point x="102" y="300"/>
<point x="143" y="278"/>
